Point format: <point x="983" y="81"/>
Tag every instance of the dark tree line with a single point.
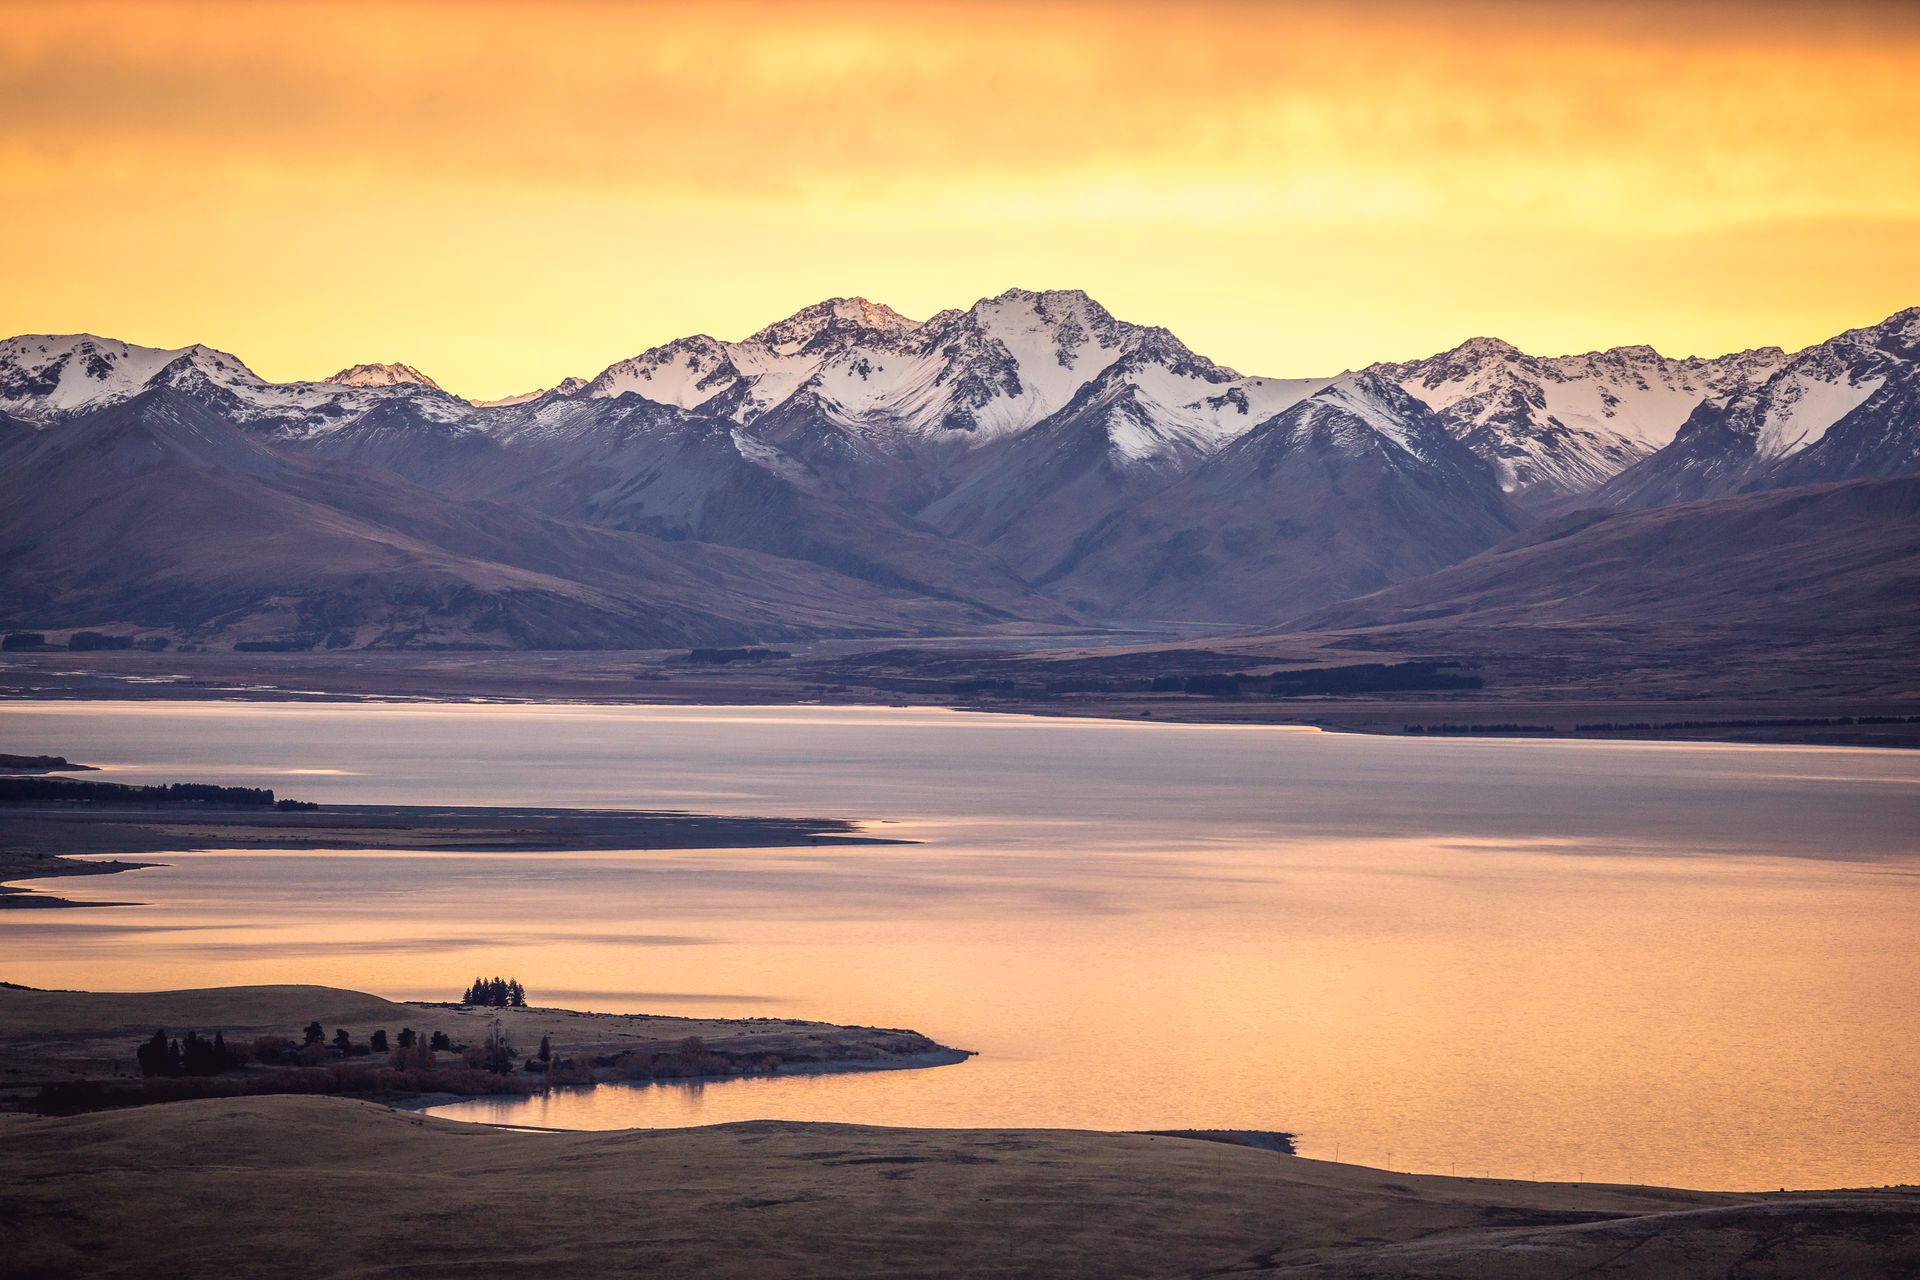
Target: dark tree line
<point x="193" y="1055"/>
<point x="66" y="790"/>
<point x="496" y="993"/>
<point x="189" y="1056"/>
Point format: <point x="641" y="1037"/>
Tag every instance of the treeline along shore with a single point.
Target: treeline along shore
<point x="66" y="1052"/>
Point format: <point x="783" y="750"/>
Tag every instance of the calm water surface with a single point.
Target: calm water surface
<point x="1658" y="963"/>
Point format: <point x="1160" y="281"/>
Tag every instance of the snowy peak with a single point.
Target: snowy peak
<point x="963" y="377"/>
<point x="741" y="380"/>
<point x="686" y="372"/>
<point x="382" y="375"/>
<point x="1359" y="413"/>
<point x="1841" y="409"/>
<point x="1162" y="403"/>
<point x="1812" y="392"/>
<point x="564" y="387"/>
<point x="47" y="376"/>
<point x="834" y="324"/>
<point x="45" y="379"/>
<point x="1557" y="425"/>
<point x="999" y="367"/>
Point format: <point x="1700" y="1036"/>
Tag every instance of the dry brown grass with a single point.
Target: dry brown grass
<point x="330" y="1187"/>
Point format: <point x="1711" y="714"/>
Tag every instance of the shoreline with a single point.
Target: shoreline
<point x="1482" y="722"/>
<point x="1091" y="676"/>
<point x="428" y="1103"/>
<point x="42" y="841"/>
<point x="64" y="1043"/>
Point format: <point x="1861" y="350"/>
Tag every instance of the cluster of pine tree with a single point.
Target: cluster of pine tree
<point x="191" y="1056"/>
<point x="496" y="993"/>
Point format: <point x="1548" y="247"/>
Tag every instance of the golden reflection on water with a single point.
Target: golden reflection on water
<point x="1611" y="963"/>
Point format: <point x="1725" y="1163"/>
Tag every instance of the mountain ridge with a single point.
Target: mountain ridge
<point x="1028" y="459"/>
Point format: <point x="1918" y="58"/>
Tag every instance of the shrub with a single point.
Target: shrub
<point x="494" y="1054"/>
<point x="274" y="1050"/>
<point x="87" y="641"/>
<point x="569" y="1071"/>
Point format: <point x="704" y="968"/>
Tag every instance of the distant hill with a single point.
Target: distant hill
<point x="1818" y="561"/>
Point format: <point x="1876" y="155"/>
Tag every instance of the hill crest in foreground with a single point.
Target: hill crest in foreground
<point x="215" y="1187"/>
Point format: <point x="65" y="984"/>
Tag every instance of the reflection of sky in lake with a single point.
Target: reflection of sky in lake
<point x="1649" y="961"/>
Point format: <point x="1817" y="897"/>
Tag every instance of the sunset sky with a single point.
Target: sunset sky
<point x="505" y="195"/>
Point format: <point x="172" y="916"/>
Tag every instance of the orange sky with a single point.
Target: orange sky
<point x="504" y="195"/>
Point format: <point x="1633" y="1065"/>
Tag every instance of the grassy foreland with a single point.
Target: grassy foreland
<point x="332" y="1187"/>
<point x="43" y="820"/>
<point x="327" y="1186"/>
<point x="76" y="1050"/>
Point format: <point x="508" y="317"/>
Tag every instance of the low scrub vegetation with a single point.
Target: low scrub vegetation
<point x="350" y="1079"/>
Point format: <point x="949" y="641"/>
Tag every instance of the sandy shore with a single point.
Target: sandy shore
<point x="34" y="839"/>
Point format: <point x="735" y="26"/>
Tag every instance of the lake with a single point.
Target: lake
<point x="1637" y="962"/>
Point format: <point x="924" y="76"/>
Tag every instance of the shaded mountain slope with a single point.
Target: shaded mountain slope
<point x="158" y="513"/>
<point x="1818" y="561"/>
<point x="1148" y="419"/>
<point x="627" y="463"/>
<point x="1355" y="487"/>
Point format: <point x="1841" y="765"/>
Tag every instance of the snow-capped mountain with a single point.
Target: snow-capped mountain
<point x="1146" y="420"/>
<point x="565" y="387"/>
<point x="993" y="369"/>
<point x="382" y="375"/>
<point x="1558" y="425"/>
<point x="927" y="415"/>
<point x="1031" y="450"/>
<point x="1009" y="362"/>
<point x="45" y="378"/>
<point x="1843" y="409"/>
<point x="48" y="376"/>
<point x="1357" y="486"/>
<point x="741" y="379"/>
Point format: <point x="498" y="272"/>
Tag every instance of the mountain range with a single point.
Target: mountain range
<point x="1028" y="460"/>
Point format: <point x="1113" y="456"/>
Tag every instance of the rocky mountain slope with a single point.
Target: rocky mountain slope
<point x="1844" y="408"/>
<point x="1352" y="488"/>
<point x="1563" y="425"/>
